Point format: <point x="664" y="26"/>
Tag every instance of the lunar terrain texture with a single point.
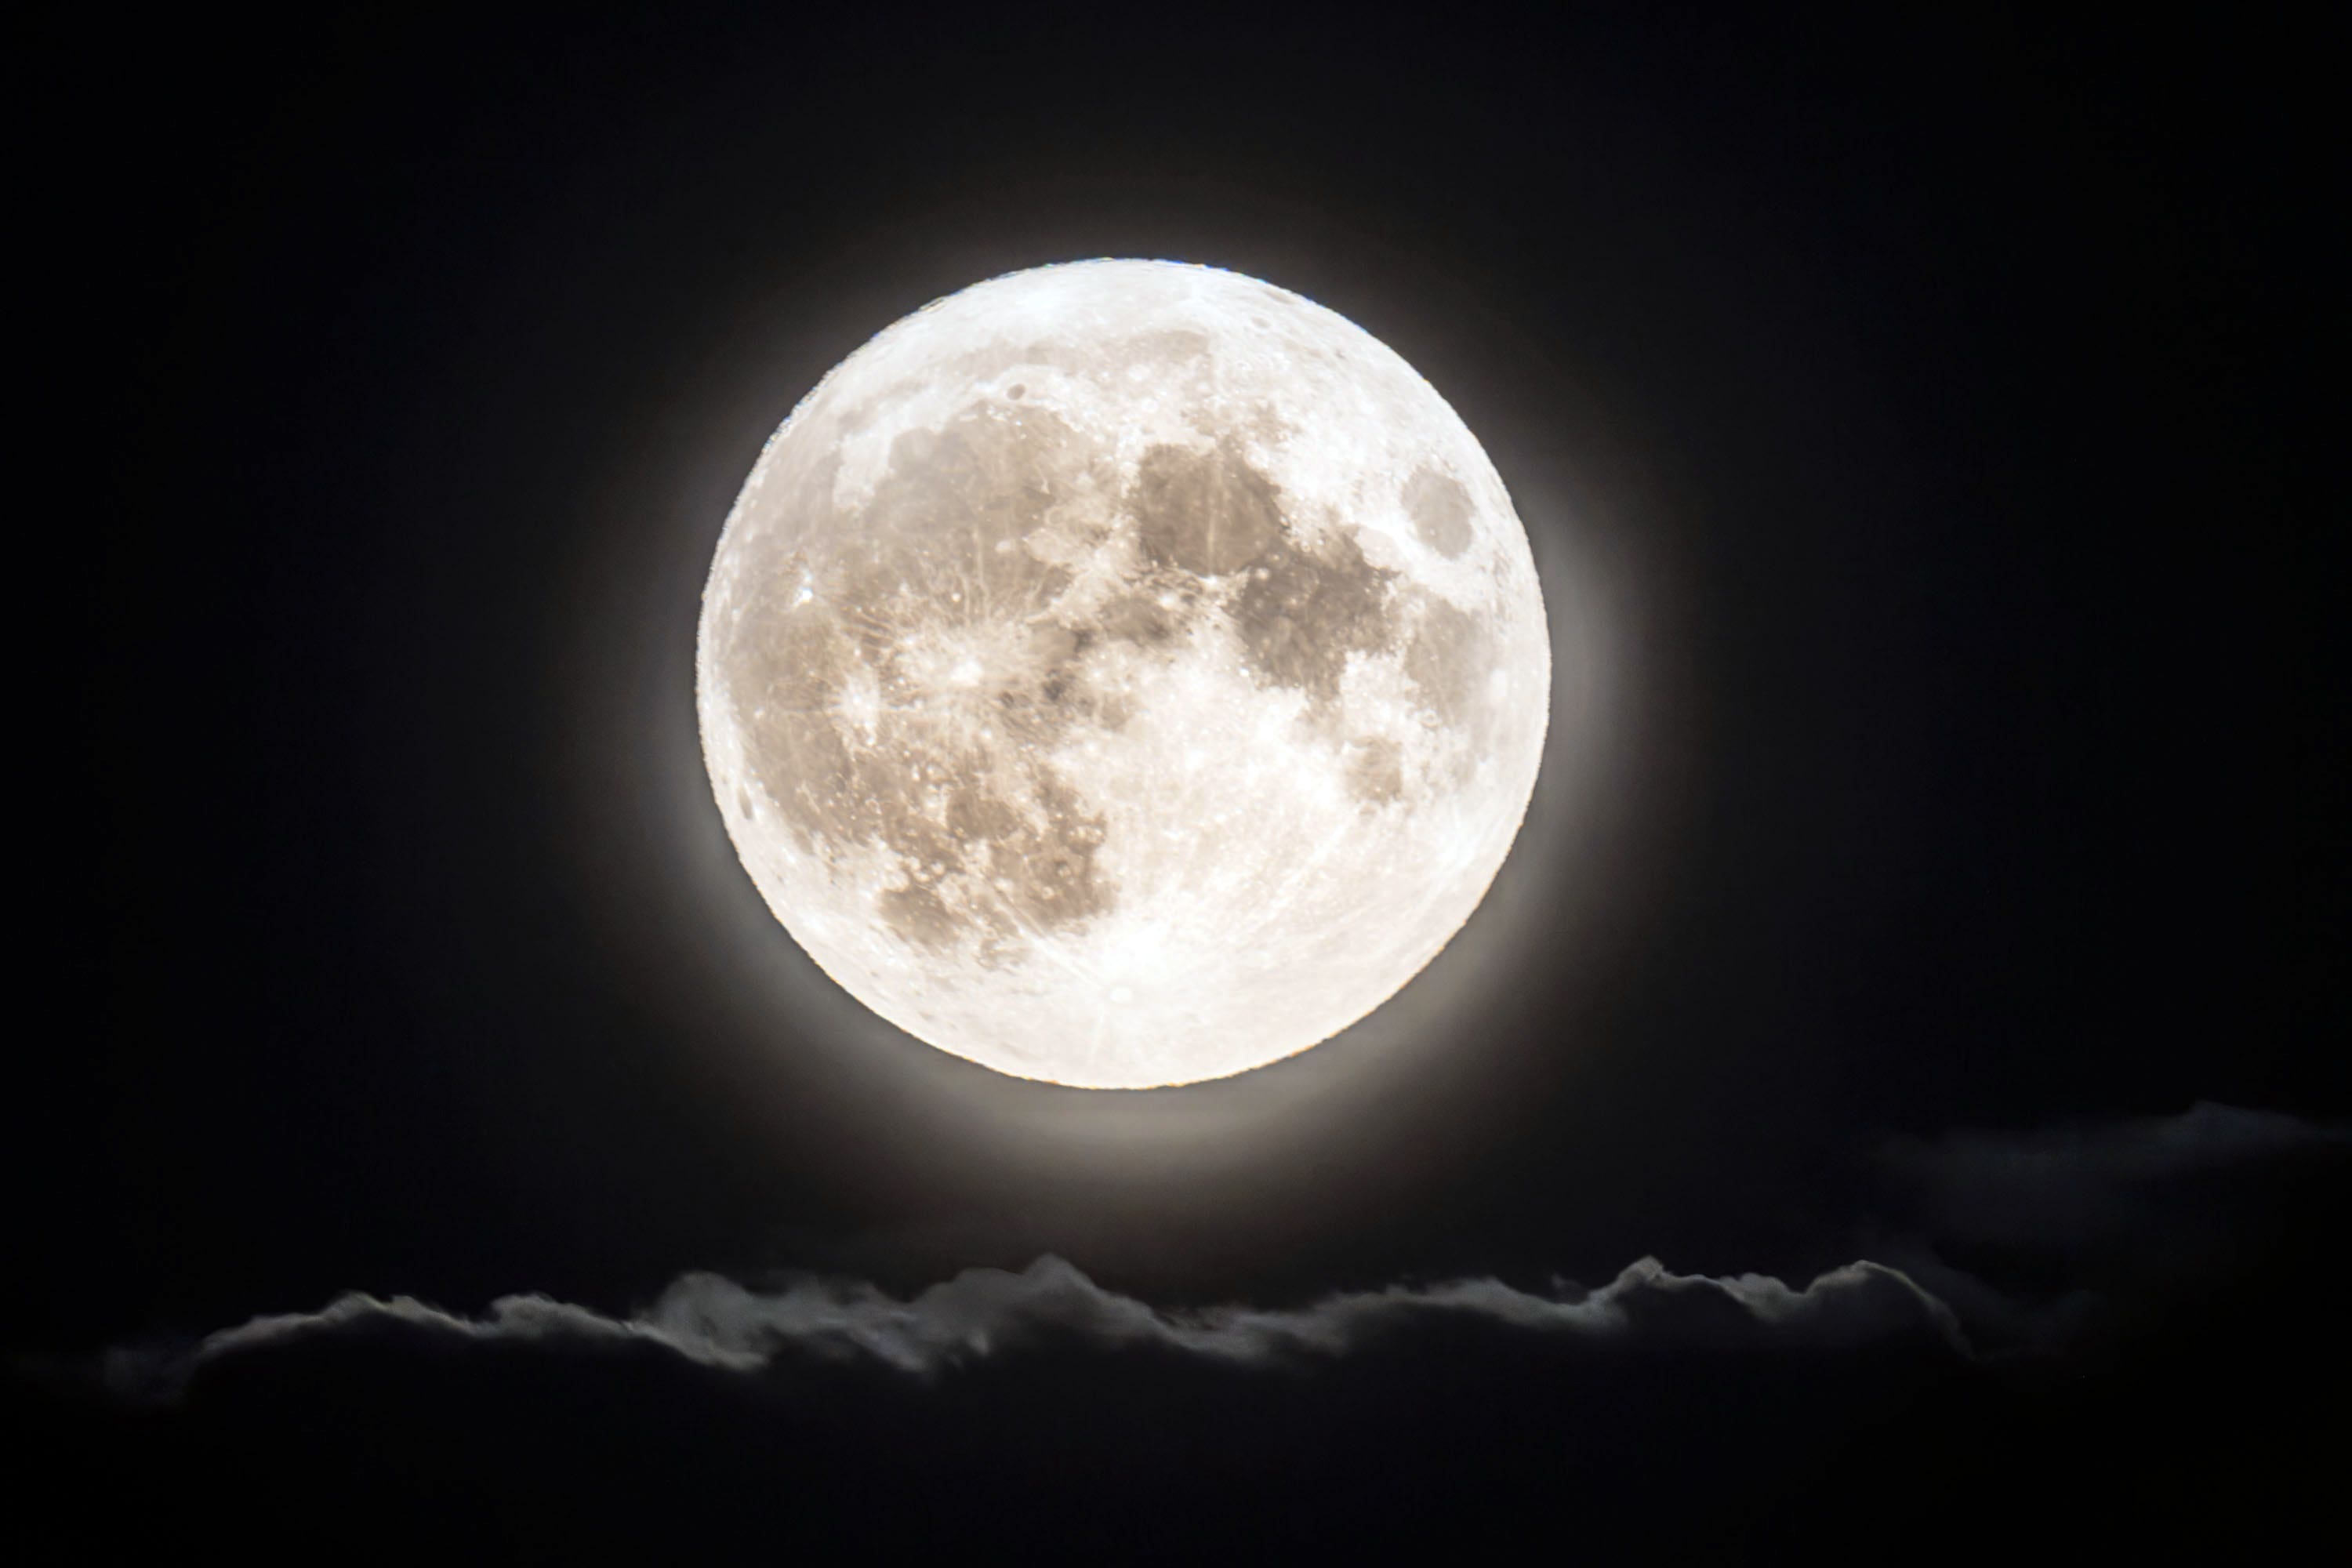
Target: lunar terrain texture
<point x="1123" y="674"/>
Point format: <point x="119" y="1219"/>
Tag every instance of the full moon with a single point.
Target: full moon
<point x="1123" y="674"/>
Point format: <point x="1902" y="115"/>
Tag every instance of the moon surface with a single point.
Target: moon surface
<point x="1123" y="673"/>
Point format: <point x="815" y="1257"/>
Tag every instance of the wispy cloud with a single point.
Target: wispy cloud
<point x="2085" y="1181"/>
<point x="989" y="1313"/>
<point x="2037" y="1236"/>
<point x="2090" y="1194"/>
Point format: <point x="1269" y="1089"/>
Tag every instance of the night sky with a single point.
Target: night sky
<point x="1939" y="861"/>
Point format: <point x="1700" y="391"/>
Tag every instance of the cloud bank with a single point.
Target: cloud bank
<point x="985" y="1313"/>
<point x="2116" y="1200"/>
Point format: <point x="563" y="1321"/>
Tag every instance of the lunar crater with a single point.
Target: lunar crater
<point x="1071" y="693"/>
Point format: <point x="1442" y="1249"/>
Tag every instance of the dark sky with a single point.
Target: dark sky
<point x="1917" y="421"/>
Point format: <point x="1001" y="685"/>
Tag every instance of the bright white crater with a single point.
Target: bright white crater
<point x="1123" y="674"/>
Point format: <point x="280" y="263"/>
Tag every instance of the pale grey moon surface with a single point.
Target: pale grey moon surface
<point x="1123" y="674"/>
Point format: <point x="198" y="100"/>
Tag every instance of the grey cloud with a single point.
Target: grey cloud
<point x="2094" y="1181"/>
<point x="2008" y="1243"/>
<point x="988" y="1312"/>
<point x="2038" y="1238"/>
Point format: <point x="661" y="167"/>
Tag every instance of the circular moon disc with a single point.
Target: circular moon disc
<point x="1123" y="674"/>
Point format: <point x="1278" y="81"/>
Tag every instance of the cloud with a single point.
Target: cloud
<point x="984" y="1313"/>
<point x="2038" y="1238"/>
<point x="2009" y="1242"/>
<point x="2089" y="1180"/>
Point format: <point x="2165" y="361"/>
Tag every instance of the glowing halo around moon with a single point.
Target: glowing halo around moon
<point x="1123" y="674"/>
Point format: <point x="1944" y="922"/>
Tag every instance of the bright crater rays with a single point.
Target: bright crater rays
<point x="1123" y="674"/>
